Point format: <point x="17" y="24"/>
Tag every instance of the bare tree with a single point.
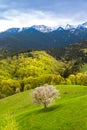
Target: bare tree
<point x="45" y="95"/>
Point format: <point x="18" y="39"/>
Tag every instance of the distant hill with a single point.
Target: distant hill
<point x="70" y="52"/>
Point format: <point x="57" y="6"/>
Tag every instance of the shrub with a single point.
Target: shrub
<point x="2" y="95"/>
<point x="7" y="90"/>
<point x="9" y="123"/>
<point x="27" y="87"/>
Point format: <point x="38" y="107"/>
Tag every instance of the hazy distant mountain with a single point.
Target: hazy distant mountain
<point x="42" y="37"/>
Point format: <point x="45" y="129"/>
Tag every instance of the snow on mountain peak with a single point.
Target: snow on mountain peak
<point x="12" y="30"/>
<point x="68" y="27"/>
<point x="43" y="28"/>
<point x="46" y="29"/>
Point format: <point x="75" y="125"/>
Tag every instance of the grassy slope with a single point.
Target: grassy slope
<point x="68" y="113"/>
<point x="84" y="68"/>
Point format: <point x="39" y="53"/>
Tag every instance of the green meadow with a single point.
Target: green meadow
<point x="67" y="113"/>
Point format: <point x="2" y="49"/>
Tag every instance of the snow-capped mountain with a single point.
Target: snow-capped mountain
<point x="72" y="28"/>
<point x="82" y="26"/>
<point x="33" y="37"/>
<point x="9" y="32"/>
<point x="46" y="29"/>
<point x="59" y="29"/>
<point x="12" y="30"/>
<point x="68" y="27"/>
<point x="43" y="28"/>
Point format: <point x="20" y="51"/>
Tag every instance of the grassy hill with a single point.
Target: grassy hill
<point x="68" y="113"/>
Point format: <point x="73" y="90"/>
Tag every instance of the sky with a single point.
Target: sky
<point x="25" y="13"/>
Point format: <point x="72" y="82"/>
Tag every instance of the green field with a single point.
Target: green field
<point x="84" y="68"/>
<point x="68" y="113"/>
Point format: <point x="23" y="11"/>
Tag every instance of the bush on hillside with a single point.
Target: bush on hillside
<point x="9" y="123"/>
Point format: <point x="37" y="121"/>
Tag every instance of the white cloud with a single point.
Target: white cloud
<point x="15" y="18"/>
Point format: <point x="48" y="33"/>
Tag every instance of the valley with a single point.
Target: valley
<point x="43" y="64"/>
<point x="30" y="58"/>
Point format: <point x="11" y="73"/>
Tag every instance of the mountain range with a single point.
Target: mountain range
<point x="42" y="37"/>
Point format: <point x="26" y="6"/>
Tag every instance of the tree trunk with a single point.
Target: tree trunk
<point x="45" y="106"/>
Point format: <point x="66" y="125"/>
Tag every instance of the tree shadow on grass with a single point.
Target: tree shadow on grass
<point x="49" y="109"/>
<point x="40" y="111"/>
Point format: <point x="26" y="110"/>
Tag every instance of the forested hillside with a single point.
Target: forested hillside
<point x="70" y="52"/>
<point x="27" y="70"/>
<point x="31" y="69"/>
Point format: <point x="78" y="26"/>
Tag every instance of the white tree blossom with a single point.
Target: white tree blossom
<point x="45" y="95"/>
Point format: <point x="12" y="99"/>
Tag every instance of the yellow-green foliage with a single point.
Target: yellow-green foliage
<point x="79" y="79"/>
<point x="28" y="70"/>
<point x="29" y="64"/>
<point x="85" y="51"/>
<point x="9" y="123"/>
<point x="32" y="69"/>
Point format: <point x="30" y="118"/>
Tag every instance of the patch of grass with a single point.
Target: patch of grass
<point x="68" y="113"/>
